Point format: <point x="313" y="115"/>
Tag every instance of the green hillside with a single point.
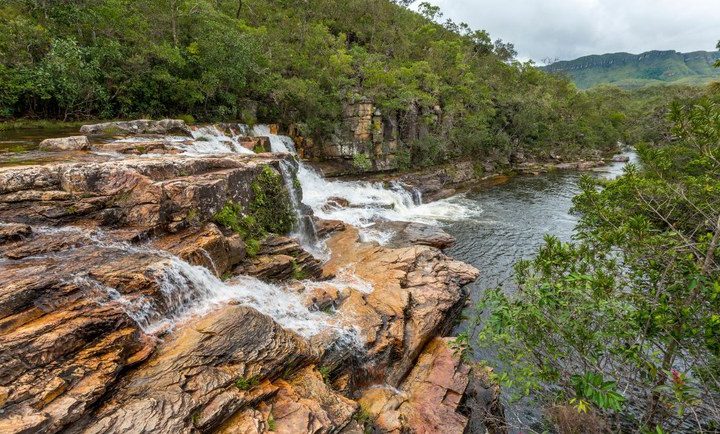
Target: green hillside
<point x="634" y="71"/>
<point x="450" y="90"/>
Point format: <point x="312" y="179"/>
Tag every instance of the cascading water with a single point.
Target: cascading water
<point x="188" y="290"/>
<point x="305" y="230"/>
<point x="368" y="202"/>
<point x="278" y="143"/>
<point x="211" y="140"/>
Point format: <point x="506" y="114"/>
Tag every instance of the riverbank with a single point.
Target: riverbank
<point x="138" y="297"/>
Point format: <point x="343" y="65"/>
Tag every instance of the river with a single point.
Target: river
<point x="494" y="226"/>
<point x="510" y="223"/>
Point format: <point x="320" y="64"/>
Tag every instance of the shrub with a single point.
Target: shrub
<point x="362" y="162"/>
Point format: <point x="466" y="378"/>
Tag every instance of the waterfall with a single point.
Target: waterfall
<point x="304" y="229"/>
<point x="367" y="202"/>
<point x="187" y="290"/>
<point x="278" y="144"/>
<point x="211" y="140"/>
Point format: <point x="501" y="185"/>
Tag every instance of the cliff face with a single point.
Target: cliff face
<point x="630" y="70"/>
<point x="114" y="319"/>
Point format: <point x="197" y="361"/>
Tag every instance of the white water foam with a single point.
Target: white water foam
<point x="345" y="278"/>
<point x="194" y="291"/>
<point x="278" y="144"/>
<point x="189" y="290"/>
<point x="211" y="140"/>
<point x="371" y="202"/>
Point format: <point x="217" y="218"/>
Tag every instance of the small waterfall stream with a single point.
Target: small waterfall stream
<point x="189" y="290"/>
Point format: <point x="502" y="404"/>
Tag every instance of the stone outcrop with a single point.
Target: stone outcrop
<point x="428" y="400"/>
<point x="281" y="258"/>
<point x="202" y="376"/>
<point x="73" y="143"/>
<point x="417" y="290"/>
<point x="98" y="335"/>
<point x="364" y="133"/>
<point x="303" y="404"/>
<point x="207" y="247"/>
<point x="136" y="127"/>
<point x="142" y="195"/>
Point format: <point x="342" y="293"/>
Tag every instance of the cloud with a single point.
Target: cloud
<point x="567" y="29"/>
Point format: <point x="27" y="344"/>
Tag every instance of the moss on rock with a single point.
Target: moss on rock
<point x="269" y="211"/>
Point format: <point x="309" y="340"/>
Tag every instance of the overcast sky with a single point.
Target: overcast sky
<point x="567" y="29"/>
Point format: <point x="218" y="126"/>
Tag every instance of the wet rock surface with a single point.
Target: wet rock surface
<point x="406" y="234"/>
<point x="280" y="259"/>
<point x="416" y="292"/>
<point x="97" y="329"/>
<point x="167" y="193"/>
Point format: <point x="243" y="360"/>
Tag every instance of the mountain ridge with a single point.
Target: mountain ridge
<point x="638" y="70"/>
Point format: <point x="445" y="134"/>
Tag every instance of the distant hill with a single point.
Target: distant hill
<point x="639" y="70"/>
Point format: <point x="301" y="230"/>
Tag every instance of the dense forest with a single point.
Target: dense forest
<point x="296" y="63"/>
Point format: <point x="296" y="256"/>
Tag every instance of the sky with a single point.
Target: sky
<point x="567" y="29"/>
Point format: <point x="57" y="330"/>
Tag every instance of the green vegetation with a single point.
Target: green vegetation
<point x="270" y="206"/>
<point x="646" y="69"/>
<point x="363" y="417"/>
<point x="272" y="425"/>
<point x="26" y="124"/>
<point x="362" y="162"/>
<point x="246" y="383"/>
<point x="269" y="211"/>
<point x="325" y="373"/>
<point x="297" y="271"/>
<point x="623" y="325"/>
<point x="453" y="91"/>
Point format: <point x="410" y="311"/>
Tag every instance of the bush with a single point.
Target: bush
<point x="362" y="162"/>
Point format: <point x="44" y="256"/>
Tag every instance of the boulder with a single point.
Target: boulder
<point x="334" y="203"/>
<point x="416" y="292"/>
<point x="621" y="159"/>
<point x="73" y="143"/>
<point x="208" y="247"/>
<point x="327" y="227"/>
<point x="280" y="258"/>
<point x="409" y="234"/>
<point x="211" y="369"/>
<point x="429" y="399"/>
<point x="142" y="126"/>
<point x="304" y="404"/>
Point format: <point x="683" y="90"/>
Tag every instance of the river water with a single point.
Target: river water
<point x="511" y="221"/>
<point x="494" y="226"/>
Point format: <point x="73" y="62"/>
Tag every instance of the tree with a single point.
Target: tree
<point x="624" y="322"/>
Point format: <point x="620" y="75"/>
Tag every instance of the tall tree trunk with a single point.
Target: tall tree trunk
<point x="173" y="21"/>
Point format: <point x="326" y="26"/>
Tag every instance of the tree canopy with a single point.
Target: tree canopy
<point x="292" y="62"/>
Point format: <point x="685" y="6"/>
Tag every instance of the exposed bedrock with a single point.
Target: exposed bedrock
<point x="102" y="266"/>
<point x="140" y="126"/>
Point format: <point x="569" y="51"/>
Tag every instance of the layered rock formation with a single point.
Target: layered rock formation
<point x="142" y="126"/>
<point x="112" y="320"/>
